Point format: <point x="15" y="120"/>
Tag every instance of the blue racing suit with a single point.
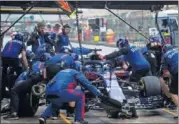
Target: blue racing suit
<point x="63" y="40"/>
<point x="170" y="63"/>
<point x="58" y="58"/>
<point x="13" y="49"/>
<point x="140" y="66"/>
<point x="144" y="50"/>
<point x="61" y="89"/>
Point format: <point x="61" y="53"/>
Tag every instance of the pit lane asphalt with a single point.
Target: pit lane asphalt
<point x="100" y="117"/>
<point x="94" y="116"/>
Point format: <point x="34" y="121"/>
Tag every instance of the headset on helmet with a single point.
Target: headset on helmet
<point x="167" y="47"/>
<point x="122" y="42"/>
<point x="19" y="37"/>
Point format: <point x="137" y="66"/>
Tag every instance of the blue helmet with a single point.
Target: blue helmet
<point x="167" y="47"/>
<point x="19" y="37"/>
<point x="155" y="39"/>
<point x="122" y="42"/>
<point x="30" y="55"/>
<point x="74" y="56"/>
<point x="68" y="62"/>
<point x="44" y="57"/>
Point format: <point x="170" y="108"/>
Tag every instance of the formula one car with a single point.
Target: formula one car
<point x="146" y="93"/>
<point x="101" y="75"/>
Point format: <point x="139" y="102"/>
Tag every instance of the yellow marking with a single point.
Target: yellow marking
<point x="65" y="118"/>
<point x="72" y="14"/>
<point x="172" y="113"/>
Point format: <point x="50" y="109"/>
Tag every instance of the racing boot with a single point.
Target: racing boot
<point x="12" y="116"/>
<point x="42" y="121"/>
<point x="82" y="121"/>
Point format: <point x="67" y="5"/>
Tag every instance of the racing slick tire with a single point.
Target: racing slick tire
<point x="150" y="86"/>
<point x="28" y="105"/>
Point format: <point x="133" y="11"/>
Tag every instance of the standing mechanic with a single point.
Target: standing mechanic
<point x="152" y="52"/>
<point x="169" y="69"/>
<point x="39" y="37"/>
<point x="63" y="39"/>
<point x="61" y="89"/>
<point x="10" y="58"/>
<point x="140" y="66"/>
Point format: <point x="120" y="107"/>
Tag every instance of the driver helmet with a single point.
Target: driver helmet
<point x="167" y="47"/>
<point x="122" y="42"/>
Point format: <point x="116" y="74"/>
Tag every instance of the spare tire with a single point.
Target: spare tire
<point x="150" y="86"/>
<point x="28" y="105"/>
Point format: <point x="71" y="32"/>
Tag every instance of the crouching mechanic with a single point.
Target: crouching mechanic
<point x="53" y="67"/>
<point x="61" y="89"/>
<point x="169" y="69"/>
<point x="131" y="54"/>
<point x="25" y="81"/>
